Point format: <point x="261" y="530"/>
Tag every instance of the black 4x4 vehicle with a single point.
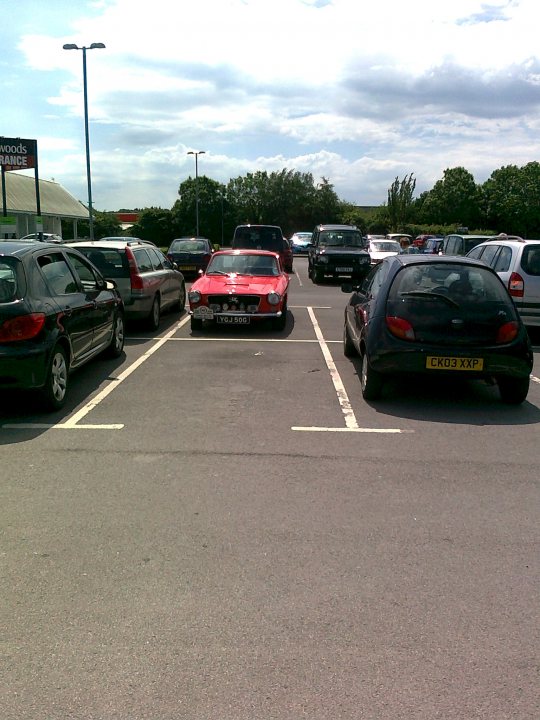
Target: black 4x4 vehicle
<point x="337" y="250"/>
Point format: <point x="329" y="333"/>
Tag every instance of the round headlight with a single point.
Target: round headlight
<point x="274" y="298"/>
<point x="194" y="296"/>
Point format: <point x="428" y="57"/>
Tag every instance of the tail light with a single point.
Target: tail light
<point x="137" y="281"/>
<point x="23" y="327"/>
<point x="400" y="327"/>
<point x="516" y="286"/>
<point x="507" y="332"/>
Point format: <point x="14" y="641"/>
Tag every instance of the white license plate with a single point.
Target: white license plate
<point x="344" y="269"/>
<point x="233" y="320"/>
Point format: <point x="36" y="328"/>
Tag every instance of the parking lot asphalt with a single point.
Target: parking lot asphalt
<point x="218" y="526"/>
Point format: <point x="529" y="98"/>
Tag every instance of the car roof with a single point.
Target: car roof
<point x="115" y="243"/>
<point x="336" y="227"/>
<point x="473" y="237"/>
<point x="190" y="237"/>
<point x="246" y="251"/>
<point x="509" y="243"/>
<point x="23" y="247"/>
<point x="419" y="258"/>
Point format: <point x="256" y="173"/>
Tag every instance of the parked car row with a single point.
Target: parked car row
<point x="422" y="314"/>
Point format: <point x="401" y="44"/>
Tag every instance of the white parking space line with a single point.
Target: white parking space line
<point x="351" y="424"/>
<point x="299" y="280"/>
<point x="72" y="422"/>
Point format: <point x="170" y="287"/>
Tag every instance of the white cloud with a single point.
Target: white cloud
<point x="357" y="93"/>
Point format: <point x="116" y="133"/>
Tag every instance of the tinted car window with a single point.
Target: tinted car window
<point x="142" y="259"/>
<point x="477" y="252"/>
<point x="265" y="238"/>
<point x="434" y="298"/>
<point x="503" y="260"/>
<point x="8" y="282"/>
<point x="86" y="275"/>
<point x="110" y="262"/>
<point x="530" y="260"/>
<point x="341" y="238"/>
<point x="58" y="274"/>
<point x="374" y="281"/>
<point x="156" y="258"/>
<point x="189" y="246"/>
<point x="490" y="251"/>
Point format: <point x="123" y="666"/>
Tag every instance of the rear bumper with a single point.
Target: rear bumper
<point x="24" y="367"/>
<point x="511" y="364"/>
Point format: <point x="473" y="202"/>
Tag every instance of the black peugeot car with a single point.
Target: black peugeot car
<point x="437" y="316"/>
<point x="56" y="313"/>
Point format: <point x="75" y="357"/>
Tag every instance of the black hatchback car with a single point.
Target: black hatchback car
<point x="436" y="316"/>
<point x="56" y="313"/>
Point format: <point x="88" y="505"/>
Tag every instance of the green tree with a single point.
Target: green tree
<point x="400" y="201"/>
<point x="155" y="224"/>
<point x="512" y="199"/>
<point x="211" y="203"/>
<point x="456" y="199"/>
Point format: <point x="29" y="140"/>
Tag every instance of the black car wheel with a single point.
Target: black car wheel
<point x="371" y="382"/>
<point x="56" y="382"/>
<point x="318" y="276"/>
<point x="196" y="323"/>
<point x="116" y="347"/>
<point x="155" y="315"/>
<point x="513" y="390"/>
<point x="349" y="349"/>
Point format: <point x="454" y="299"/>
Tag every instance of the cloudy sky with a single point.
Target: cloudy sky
<point x="357" y="92"/>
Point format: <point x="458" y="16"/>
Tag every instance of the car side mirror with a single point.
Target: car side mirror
<point x="110" y="285"/>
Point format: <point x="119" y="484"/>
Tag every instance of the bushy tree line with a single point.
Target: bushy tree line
<point x="509" y="201"/>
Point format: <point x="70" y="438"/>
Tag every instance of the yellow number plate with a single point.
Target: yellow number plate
<point x="434" y="362"/>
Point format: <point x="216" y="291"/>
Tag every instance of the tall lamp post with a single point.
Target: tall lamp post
<point x="196" y="153"/>
<point x="93" y="46"/>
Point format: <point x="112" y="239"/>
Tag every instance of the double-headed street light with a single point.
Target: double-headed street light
<point x="93" y="46"/>
<point x="196" y="153"/>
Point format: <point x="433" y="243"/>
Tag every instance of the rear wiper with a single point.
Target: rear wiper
<point x="428" y="293"/>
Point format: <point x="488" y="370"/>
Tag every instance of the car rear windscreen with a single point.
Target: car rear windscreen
<point x="111" y="263"/>
<point x="450" y="304"/>
<point x="261" y="238"/>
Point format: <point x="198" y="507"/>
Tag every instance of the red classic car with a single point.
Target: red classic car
<point x="240" y="286"/>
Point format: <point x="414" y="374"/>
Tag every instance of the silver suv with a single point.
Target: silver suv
<point x="146" y="279"/>
<point x="517" y="262"/>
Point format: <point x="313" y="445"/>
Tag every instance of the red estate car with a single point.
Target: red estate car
<point x="238" y="287"/>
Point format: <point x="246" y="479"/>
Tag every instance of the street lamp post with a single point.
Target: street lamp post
<point x="196" y="153"/>
<point x="93" y="46"/>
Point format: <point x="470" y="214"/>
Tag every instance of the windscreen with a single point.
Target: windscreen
<point x="449" y="303"/>
<point x="341" y="238"/>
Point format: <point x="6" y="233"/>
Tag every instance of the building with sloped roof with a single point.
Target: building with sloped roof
<point x="56" y="202"/>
